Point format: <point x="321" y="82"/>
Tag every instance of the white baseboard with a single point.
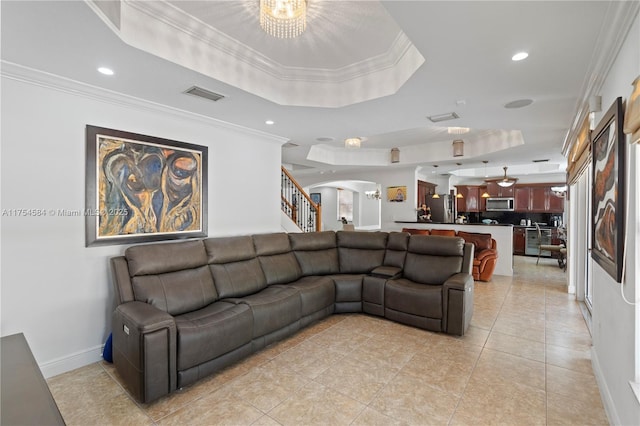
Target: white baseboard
<point x="607" y="400"/>
<point x="71" y="362"/>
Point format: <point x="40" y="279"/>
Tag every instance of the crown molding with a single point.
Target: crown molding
<point x="615" y="28"/>
<point x="167" y="31"/>
<point x="31" y="76"/>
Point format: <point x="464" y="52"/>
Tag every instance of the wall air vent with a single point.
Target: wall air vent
<point x="204" y="93"/>
<point x="443" y="117"/>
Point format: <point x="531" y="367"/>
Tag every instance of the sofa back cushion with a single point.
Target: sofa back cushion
<point x="278" y="262"/>
<point x="173" y="277"/>
<point x="360" y="252"/>
<point x="316" y="252"/>
<point x="234" y="266"/>
<point x="397" y="244"/>
<point x="480" y="241"/>
<point x="432" y="259"/>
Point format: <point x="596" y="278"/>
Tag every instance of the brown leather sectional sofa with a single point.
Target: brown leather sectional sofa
<point x="485" y="253"/>
<point x="188" y="309"/>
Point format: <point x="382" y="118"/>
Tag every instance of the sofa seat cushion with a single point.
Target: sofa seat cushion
<point x="273" y="308"/>
<point x="212" y="331"/>
<point x="412" y="298"/>
<point x="316" y="293"/>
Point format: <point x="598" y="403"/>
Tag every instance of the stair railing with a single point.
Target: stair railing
<point x="297" y="205"/>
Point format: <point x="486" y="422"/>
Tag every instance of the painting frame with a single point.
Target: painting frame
<point x="396" y="194"/>
<point x="608" y="189"/>
<point x="316" y="197"/>
<point x="141" y="188"/>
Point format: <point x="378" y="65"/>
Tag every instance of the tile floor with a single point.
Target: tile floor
<point x="525" y="360"/>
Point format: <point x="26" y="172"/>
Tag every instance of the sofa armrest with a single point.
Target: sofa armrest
<point x="389" y="272"/>
<point x="457" y="303"/>
<point x="144" y="349"/>
<point x="460" y="281"/>
<point x="482" y="254"/>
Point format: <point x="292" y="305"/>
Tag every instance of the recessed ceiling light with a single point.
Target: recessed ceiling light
<point x="520" y="103"/>
<point x="520" y="56"/>
<point x="105" y="71"/>
<point x="269" y="122"/>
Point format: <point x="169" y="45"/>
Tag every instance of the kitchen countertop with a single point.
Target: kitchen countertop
<point x="533" y="226"/>
<point x="457" y="224"/>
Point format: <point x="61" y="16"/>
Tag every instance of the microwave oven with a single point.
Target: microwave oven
<point x="499" y="204"/>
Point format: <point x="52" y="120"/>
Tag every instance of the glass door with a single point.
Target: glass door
<point x="588" y="288"/>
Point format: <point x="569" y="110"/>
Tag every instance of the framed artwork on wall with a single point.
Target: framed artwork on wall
<point x="141" y="188"/>
<point x="396" y="194"/>
<point x="608" y="152"/>
<point x="316" y="197"/>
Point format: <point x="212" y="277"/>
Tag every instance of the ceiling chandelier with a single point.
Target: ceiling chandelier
<point x="373" y="195"/>
<point x="352" y="142"/>
<point x="506" y="181"/>
<point x="283" y="18"/>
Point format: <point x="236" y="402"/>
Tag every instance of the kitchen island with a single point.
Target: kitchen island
<point x="502" y="233"/>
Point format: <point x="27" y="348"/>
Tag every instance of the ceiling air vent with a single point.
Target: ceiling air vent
<point x="443" y="117"/>
<point x="540" y="161"/>
<point x="290" y="145"/>
<point x="204" y="93"/>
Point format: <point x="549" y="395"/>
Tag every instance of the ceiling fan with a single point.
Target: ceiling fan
<point x="504" y="182"/>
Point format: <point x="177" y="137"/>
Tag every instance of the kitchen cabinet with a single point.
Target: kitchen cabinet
<point x="425" y="190"/>
<point x="522" y="198"/>
<point x="471" y="201"/>
<point x="556" y="204"/>
<point x="496" y="190"/>
<point x="519" y="240"/>
<point x="539" y="199"/>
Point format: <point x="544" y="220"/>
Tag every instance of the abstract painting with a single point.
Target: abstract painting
<point x="143" y="188"/>
<point x="608" y="152"/>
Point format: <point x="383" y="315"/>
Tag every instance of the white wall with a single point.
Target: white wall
<point x="614" y="322"/>
<point x="390" y="211"/>
<point x="54" y="289"/>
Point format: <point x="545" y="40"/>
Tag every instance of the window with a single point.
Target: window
<point x="345" y="204"/>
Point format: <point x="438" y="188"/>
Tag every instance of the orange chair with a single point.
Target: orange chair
<point x="444" y="232"/>
<point x="485" y="254"/>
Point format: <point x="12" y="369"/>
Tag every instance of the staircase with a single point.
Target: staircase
<point x="297" y="205"/>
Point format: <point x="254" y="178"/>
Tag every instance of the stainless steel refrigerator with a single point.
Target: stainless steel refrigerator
<point x="442" y="209"/>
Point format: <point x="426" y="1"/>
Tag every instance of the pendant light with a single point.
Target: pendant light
<point x="485" y="194"/>
<point x="435" y="194"/>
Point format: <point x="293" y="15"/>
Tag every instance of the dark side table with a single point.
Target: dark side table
<point x="25" y="397"/>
